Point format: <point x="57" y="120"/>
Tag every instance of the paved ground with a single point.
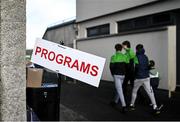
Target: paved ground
<point x="80" y="101"/>
<point x="69" y="115"/>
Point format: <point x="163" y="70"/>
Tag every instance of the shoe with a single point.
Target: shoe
<point x="124" y="110"/>
<point x="156" y="111"/>
<point x="160" y="107"/>
<point x="131" y="107"/>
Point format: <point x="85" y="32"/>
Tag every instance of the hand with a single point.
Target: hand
<point x="125" y="47"/>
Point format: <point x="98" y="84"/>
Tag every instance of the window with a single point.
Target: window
<point x="125" y="25"/>
<point x="142" y="22"/>
<point x="145" y="22"/>
<point x="98" y="30"/>
<point x="161" y="18"/>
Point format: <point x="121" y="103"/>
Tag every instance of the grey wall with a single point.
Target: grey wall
<point x="87" y="9"/>
<point x="66" y="34"/>
<point x="12" y="65"/>
<point x="156" y="44"/>
<point x="158" y="7"/>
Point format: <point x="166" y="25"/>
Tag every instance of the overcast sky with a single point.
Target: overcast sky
<point x="43" y="13"/>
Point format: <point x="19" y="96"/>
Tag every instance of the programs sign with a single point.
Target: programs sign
<point x="73" y="63"/>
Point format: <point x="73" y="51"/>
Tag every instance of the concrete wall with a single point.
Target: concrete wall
<point x="155" y="43"/>
<point x="114" y="18"/>
<point x="12" y="65"/>
<point x="66" y="34"/>
<point x="172" y="65"/>
<point x="87" y="9"/>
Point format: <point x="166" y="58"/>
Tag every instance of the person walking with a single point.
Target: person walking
<point x="118" y="69"/>
<point x="154" y="81"/>
<point x="142" y="78"/>
<point x="129" y="76"/>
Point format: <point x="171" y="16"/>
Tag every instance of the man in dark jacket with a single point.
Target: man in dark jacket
<point x="142" y="78"/>
<point x="117" y="68"/>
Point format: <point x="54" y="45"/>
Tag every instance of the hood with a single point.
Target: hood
<point x="139" y="52"/>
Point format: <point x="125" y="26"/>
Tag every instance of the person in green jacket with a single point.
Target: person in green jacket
<point x="118" y="69"/>
<point x="129" y="76"/>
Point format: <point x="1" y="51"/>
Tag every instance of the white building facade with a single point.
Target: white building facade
<point x="154" y="23"/>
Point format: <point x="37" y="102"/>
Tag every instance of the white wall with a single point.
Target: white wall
<point x="96" y="8"/>
<point x="155" y="43"/>
<point x="172" y="57"/>
<point x="114" y="18"/>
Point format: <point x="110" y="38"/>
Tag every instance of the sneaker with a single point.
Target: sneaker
<point x="131" y="107"/>
<point x="160" y="107"/>
<point x="124" y="110"/>
<point x="156" y="111"/>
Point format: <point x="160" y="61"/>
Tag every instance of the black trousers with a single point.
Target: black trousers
<point x="129" y="76"/>
<point x="154" y="82"/>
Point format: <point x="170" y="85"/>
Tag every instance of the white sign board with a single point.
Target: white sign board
<point x="73" y="63"/>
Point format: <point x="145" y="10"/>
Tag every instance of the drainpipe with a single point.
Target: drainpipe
<point x="74" y="44"/>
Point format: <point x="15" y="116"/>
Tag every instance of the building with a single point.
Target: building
<point x="62" y="32"/>
<point x="155" y="23"/>
<point x="65" y="32"/>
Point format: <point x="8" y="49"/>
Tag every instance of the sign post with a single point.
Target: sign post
<point x="73" y="63"/>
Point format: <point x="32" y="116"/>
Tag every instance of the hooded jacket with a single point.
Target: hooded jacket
<point x="118" y="64"/>
<point x="142" y="67"/>
<point x="130" y="59"/>
<point x="130" y="55"/>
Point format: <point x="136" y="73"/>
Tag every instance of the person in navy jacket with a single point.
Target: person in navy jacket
<point x="142" y="78"/>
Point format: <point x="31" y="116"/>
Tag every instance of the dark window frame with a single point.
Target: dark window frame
<point x="149" y="21"/>
<point x="157" y="19"/>
<point x="98" y="30"/>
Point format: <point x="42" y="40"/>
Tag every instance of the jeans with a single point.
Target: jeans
<point x="118" y="85"/>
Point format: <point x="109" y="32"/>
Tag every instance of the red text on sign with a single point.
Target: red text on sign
<point x="67" y="61"/>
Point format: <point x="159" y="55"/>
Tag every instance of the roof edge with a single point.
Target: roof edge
<point x="61" y="25"/>
<point x="119" y="11"/>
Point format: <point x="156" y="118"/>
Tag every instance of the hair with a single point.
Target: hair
<point x="139" y="47"/>
<point x="151" y="63"/>
<point x="127" y="43"/>
<point x="118" y="47"/>
<point x="61" y="43"/>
